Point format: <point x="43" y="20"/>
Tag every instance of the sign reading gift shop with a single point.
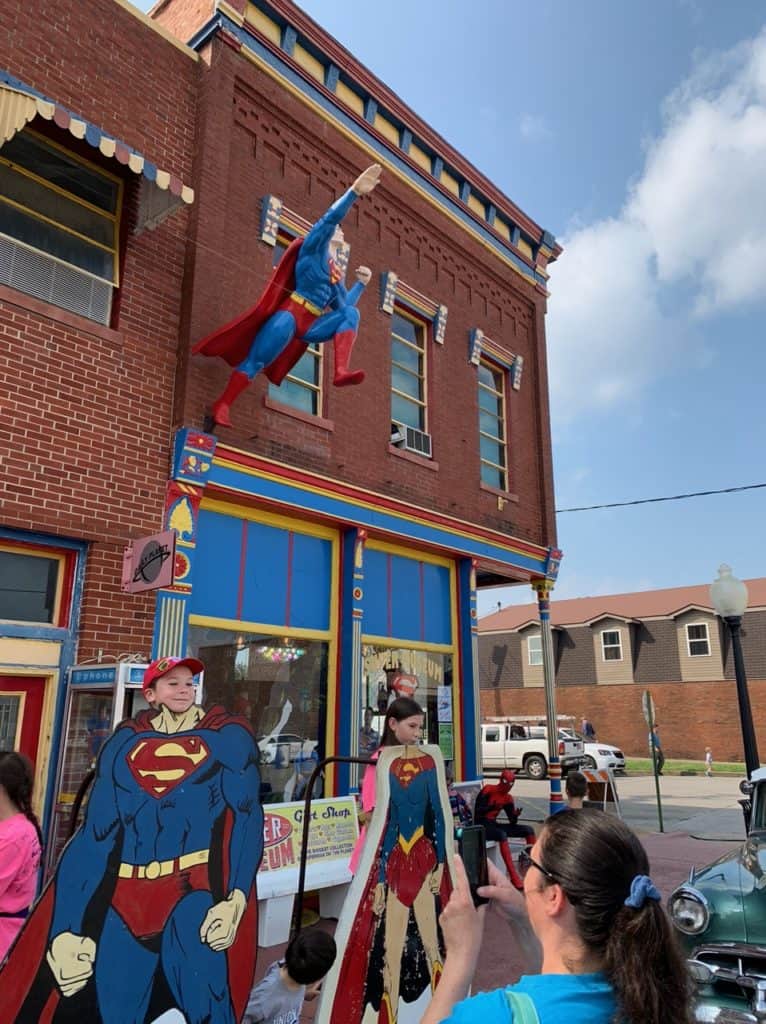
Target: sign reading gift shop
<point x="332" y="832"/>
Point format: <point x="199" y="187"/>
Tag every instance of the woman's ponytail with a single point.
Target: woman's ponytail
<point x="644" y="963"/>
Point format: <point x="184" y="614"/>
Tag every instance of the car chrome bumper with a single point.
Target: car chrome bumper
<point x="735" y="991"/>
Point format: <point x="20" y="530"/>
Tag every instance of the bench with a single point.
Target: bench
<point x="332" y="835"/>
<point x="277" y="891"/>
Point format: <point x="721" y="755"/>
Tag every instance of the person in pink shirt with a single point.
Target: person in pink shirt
<point x="20" y="847"/>
<point x="404" y="724"/>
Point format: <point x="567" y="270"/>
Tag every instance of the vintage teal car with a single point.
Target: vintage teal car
<point x="721" y="916"/>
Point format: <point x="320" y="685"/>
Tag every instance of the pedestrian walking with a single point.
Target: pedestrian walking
<point x="587" y="730"/>
<point x="708" y="762"/>
<point x="654" y="742"/>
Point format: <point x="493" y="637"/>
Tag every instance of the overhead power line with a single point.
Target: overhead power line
<point x="669" y="497"/>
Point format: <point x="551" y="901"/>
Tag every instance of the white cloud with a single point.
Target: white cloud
<point x="689" y="241"/>
<point x="534" y="128"/>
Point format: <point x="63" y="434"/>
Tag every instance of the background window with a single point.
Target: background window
<point x="59" y="226"/>
<point x="697" y="640"/>
<point x="28" y="586"/>
<point x="426" y="676"/>
<point x="535" y="649"/>
<point x="492" y="439"/>
<point x="302" y="387"/>
<point x="611" y="645"/>
<point x="408" y="372"/>
<point x="279" y="683"/>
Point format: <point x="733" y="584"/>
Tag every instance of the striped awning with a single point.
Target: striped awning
<point x="161" y="191"/>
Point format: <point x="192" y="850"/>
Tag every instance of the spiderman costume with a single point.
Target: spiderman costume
<point x="492" y="801"/>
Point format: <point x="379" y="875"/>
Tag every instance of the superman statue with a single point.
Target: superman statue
<point x="304" y="301"/>
<point x="395" y="927"/>
<point x="492" y="801"/>
<point x="153" y="903"/>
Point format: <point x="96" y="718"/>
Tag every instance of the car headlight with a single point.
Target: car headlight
<point x="689" y="910"/>
<point x="606" y="753"/>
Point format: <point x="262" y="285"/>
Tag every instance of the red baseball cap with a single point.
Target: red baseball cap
<point x="160" y="666"/>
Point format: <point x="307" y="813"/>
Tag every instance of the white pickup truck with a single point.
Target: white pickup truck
<point x="522" y="744"/>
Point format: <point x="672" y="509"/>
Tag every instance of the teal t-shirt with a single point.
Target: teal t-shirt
<point x="574" y="998"/>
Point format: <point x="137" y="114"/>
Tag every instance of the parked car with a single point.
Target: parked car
<point x="282" y="749"/>
<point x="720" y="913"/>
<point x="600" y="755"/>
<point x="518" y="743"/>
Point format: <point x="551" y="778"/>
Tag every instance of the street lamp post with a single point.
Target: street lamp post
<point x="729" y="598"/>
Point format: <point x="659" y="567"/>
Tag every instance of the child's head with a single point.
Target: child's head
<point x="404" y="722"/>
<point x="576" y="785"/>
<point x="708" y="750"/>
<point x="310" y="956"/>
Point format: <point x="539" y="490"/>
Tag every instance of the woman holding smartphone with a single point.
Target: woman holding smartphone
<point x="609" y="952"/>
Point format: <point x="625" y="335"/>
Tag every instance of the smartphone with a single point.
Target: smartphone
<point x="472" y="845"/>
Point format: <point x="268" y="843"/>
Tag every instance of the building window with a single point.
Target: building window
<point x="697" y="640"/>
<point x="408" y="371"/>
<point x="59" y="226"/>
<point x="492" y="434"/>
<point x="611" y="645"/>
<point x="30" y="586"/>
<point x="279" y="684"/>
<point x="302" y="387"/>
<point x="535" y="649"/>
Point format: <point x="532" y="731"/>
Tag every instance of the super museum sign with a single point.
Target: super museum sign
<point x="333" y="831"/>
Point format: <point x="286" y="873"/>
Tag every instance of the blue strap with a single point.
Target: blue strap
<point x="522" y="1008"/>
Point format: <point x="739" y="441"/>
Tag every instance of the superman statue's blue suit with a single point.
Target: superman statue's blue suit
<point x="173" y="830"/>
<point x="305" y="301"/>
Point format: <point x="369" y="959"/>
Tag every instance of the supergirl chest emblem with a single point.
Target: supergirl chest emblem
<point x="159" y="763"/>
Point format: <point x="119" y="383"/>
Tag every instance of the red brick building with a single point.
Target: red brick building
<point x="95" y="161"/>
<point x="609" y="650"/>
<point x="331" y="542"/>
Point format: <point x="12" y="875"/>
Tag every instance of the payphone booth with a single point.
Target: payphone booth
<point x="98" y="698"/>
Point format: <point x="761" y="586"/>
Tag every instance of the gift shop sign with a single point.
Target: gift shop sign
<point x="147" y="564"/>
<point x="332" y="832"/>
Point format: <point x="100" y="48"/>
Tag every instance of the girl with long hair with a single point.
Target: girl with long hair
<point x="20" y="846"/>
<point x="609" y="954"/>
<point x="405" y="717"/>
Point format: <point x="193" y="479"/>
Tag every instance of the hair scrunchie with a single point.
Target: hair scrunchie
<point x="641" y="889"/>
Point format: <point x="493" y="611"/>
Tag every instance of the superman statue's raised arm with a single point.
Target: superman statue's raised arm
<point x="304" y="301"/>
<point x="159" y="881"/>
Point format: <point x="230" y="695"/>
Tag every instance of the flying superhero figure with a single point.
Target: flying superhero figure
<point x="392" y="947"/>
<point x="491" y="802"/>
<point x="153" y="902"/>
<point x="304" y="301"/>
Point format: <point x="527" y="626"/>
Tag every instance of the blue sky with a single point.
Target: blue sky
<point x="637" y="134"/>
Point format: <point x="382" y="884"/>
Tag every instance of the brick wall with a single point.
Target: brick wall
<point x="259" y="139"/>
<point x="692" y="716"/>
<point x="85" y="410"/>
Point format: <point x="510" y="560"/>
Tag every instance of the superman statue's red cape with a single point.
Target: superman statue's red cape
<point x="232" y="341"/>
<point x="218" y="754"/>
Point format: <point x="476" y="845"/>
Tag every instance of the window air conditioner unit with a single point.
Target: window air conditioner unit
<point x="410" y="439"/>
<point x="417" y="441"/>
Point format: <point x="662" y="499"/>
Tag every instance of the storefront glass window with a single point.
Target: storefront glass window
<point x="426" y="676"/>
<point x="279" y="683"/>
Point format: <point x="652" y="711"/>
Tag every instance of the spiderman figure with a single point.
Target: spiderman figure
<point x="490" y="803"/>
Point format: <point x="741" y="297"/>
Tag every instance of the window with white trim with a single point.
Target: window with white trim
<point x="697" y="640"/>
<point x="59" y="226"/>
<point x="408" y="371"/>
<point x="302" y="387"/>
<point x="535" y="649"/>
<point x="611" y="645"/>
<point x="492" y="433"/>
